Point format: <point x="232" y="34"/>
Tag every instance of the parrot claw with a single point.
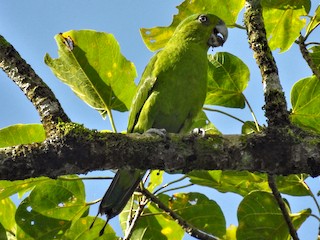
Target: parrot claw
<point x="199" y="132"/>
<point x="155" y="131"/>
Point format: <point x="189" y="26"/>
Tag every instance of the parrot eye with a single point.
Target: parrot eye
<point x="203" y="18"/>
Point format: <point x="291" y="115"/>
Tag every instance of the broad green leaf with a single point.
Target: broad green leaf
<point x="95" y="69"/>
<point x="80" y="230"/>
<point x="156" y="38"/>
<point x="21" y="134"/>
<point x="243" y="182"/>
<point x="33" y="225"/>
<point x="314" y="22"/>
<point x="7" y="212"/>
<point x="155" y="225"/>
<point x="283" y="21"/>
<point x="199" y="211"/>
<point x="259" y="217"/>
<point x="305" y="100"/>
<point x="59" y="199"/>
<point x="8" y="188"/>
<point x="202" y="121"/>
<point x="228" y="77"/>
<point x="156" y="178"/>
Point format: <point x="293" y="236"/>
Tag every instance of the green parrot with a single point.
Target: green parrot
<point x="170" y="94"/>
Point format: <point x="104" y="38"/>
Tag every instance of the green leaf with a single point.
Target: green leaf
<point x="227" y="79"/>
<point x="259" y="217"/>
<point x="21" y="134"/>
<point x="7" y="212"/>
<point x="199" y="211"/>
<point x="59" y="199"/>
<point x="202" y="121"/>
<point x="8" y="188"/>
<point x="49" y="209"/>
<point x="94" y="69"/>
<point x="231" y="233"/>
<point x="249" y="127"/>
<point x="155" y="225"/>
<point x="80" y="230"/>
<point x="243" y="182"/>
<point x="156" y="38"/>
<point x="314" y="22"/>
<point x="156" y="178"/>
<point x="315" y="55"/>
<point x="305" y="100"/>
<point x="33" y="225"/>
<point x="283" y="21"/>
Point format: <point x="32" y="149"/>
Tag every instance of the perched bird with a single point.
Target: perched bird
<point x="170" y="94"/>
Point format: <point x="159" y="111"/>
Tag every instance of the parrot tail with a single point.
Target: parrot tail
<point x="118" y="194"/>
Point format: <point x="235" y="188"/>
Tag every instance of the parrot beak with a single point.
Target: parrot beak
<point x="219" y="35"/>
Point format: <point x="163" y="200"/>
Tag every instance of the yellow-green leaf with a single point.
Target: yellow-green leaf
<point x="200" y="211"/>
<point x="305" y="100"/>
<point x="21" y="134"/>
<point x="283" y="21"/>
<point x="227" y="78"/>
<point x="259" y="217"/>
<point x="92" y="65"/>
<point x="156" y="38"/>
<point x="314" y="22"/>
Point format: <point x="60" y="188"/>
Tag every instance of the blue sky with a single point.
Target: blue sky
<point x="31" y="25"/>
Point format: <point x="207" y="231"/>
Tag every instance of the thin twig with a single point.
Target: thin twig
<point x="188" y="228"/>
<point x="282" y="206"/>
<point x="33" y="87"/>
<point x="170" y="183"/>
<point x="224" y="113"/>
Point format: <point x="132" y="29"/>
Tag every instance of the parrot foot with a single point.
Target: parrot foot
<point x="156" y="131"/>
<point x="199" y="132"/>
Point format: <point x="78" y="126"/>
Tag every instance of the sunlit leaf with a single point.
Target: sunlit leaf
<point x="156" y="178"/>
<point x="283" y="21"/>
<point x="80" y="230"/>
<point x="8" y="188"/>
<point x="228" y="77"/>
<point x="95" y="69"/>
<point x="314" y="22"/>
<point x="154" y="225"/>
<point x="249" y="127"/>
<point x="21" y="134"/>
<point x="7" y="212"/>
<point x="243" y="182"/>
<point x="315" y="55"/>
<point x="305" y="100"/>
<point x="200" y="211"/>
<point x="259" y="217"/>
<point x="156" y="38"/>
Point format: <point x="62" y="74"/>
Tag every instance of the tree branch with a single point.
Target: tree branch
<point x="33" y="87"/>
<point x="191" y="230"/>
<point x="275" y="102"/>
<point x="306" y="55"/>
<point x="79" y="150"/>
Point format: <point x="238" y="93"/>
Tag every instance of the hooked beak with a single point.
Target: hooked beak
<point x="219" y="35"/>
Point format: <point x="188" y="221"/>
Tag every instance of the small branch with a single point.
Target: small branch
<point x="283" y="208"/>
<point x="191" y="230"/>
<point x="306" y="55"/>
<point x="33" y="87"/>
<point x="275" y="102"/>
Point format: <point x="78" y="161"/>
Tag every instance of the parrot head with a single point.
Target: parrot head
<point x="206" y="29"/>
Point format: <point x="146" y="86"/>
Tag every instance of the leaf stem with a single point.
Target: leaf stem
<point x="224" y="113"/>
<point x="170" y="183"/>
<point x="176" y="188"/>
<point x="252" y="113"/>
<point x="110" y="116"/>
